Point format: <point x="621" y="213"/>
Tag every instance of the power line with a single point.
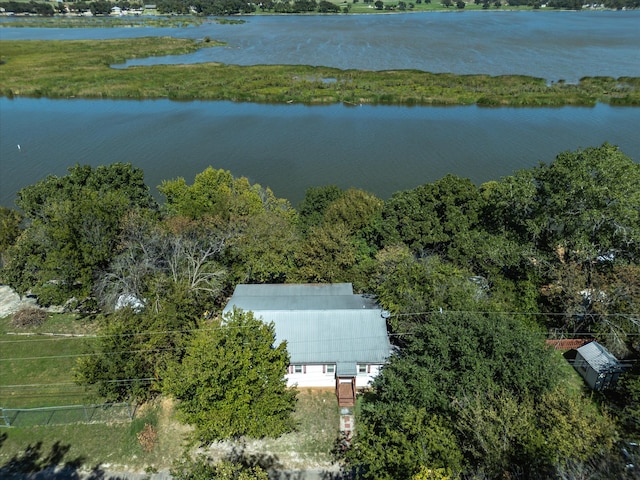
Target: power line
<point x="55" y="337"/>
<point x="549" y="335"/>
<point x="73" y="384"/>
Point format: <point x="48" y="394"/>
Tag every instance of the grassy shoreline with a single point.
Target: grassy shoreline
<point x="82" y="69"/>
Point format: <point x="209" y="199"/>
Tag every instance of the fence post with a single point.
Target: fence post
<point x="7" y="423"/>
<point x="53" y="412"/>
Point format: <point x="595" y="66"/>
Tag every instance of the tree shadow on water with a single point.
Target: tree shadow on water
<point x="34" y="463"/>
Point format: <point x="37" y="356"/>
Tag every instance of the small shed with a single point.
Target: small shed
<point x="598" y="366"/>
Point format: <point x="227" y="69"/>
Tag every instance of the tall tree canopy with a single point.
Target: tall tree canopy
<point x="231" y="381"/>
<point x="430" y="217"/>
<point x="9" y="229"/>
<point x="585" y="203"/>
<point x="477" y="395"/>
<point x="72" y="230"/>
<point x="218" y="194"/>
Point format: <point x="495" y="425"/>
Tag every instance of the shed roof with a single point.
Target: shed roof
<point x="598" y="357"/>
<point x="320" y="323"/>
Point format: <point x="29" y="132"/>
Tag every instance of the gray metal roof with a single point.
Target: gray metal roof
<point x="306" y="289"/>
<point x="598" y="357"/>
<point x="298" y="297"/>
<point x="319" y="332"/>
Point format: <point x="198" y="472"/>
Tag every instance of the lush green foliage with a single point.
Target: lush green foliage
<point x="258" y="230"/>
<point x="65" y="69"/>
<point x="205" y="7"/>
<point x="72" y="231"/>
<point x="231" y="381"/>
<point x="136" y="347"/>
<point x="201" y="469"/>
<point x="217" y="194"/>
<point x="474" y="278"/>
<point x="472" y="392"/>
<point x="432" y="217"/>
<point x="9" y="229"/>
<point x="315" y="203"/>
<point x="31" y="7"/>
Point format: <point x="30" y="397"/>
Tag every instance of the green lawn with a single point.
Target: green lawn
<point x="36" y="370"/>
<point x="36" y="360"/>
<point x="116" y="446"/>
<point x="311" y="445"/>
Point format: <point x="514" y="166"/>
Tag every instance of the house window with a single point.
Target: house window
<point x="297" y="369"/>
<point x="362" y="368"/>
<point x="330" y="368"/>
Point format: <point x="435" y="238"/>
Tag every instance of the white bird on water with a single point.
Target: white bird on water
<point x="18" y="146"/>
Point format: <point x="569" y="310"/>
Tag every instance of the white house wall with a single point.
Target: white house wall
<point x="312" y="376"/>
<point x="365" y="380"/>
<point x="316" y="376"/>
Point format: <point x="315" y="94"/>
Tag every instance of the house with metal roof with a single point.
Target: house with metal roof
<point x="335" y="338"/>
<point x="599" y="368"/>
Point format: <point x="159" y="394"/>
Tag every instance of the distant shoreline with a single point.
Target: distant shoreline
<point x="139" y="19"/>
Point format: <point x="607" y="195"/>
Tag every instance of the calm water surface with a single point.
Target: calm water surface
<point x="291" y="147"/>
<point x="548" y="44"/>
<point x="379" y="149"/>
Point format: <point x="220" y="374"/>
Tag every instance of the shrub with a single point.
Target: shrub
<point x="147" y="437"/>
<point x="29" y="317"/>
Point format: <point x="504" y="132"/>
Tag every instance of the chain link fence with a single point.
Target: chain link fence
<point x="31" y="417"/>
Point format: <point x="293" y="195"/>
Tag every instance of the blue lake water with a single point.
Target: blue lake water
<point x="289" y="148"/>
<point x="548" y="44"/>
<point x="378" y="148"/>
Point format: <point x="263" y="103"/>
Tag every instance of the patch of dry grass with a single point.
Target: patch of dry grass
<point x="310" y="447"/>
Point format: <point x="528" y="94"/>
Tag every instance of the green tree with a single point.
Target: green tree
<point x="73" y="224"/>
<point x="263" y="249"/>
<point x="396" y="443"/>
<point x="217" y="194"/>
<point x="355" y="208"/>
<point x="136" y="347"/>
<point x="559" y="412"/>
<point x="499" y="432"/>
<point x="342" y="230"/>
<point x="100" y="7"/>
<point x="315" y="202"/>
<point x="584" y="203"/>
<point x="629" y="389"/>
<point x="327" y="255"/>
<point x="156" y="258"/>
<point x="202" y="469"/>
<point x="430" y="218"/>
<point x="451" y="366"/>
<point x="324" y="6"/>
<point x="589" y="204"/>
<point x="10" y="221"/>
<point x="407" y="285"/>
<point x="231" y="381"/>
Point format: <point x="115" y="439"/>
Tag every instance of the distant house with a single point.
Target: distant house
<point x="334" y="337"/>
<point x="598" y="366"/>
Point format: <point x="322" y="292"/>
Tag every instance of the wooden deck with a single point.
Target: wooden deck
<point x="346" y="392"/>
